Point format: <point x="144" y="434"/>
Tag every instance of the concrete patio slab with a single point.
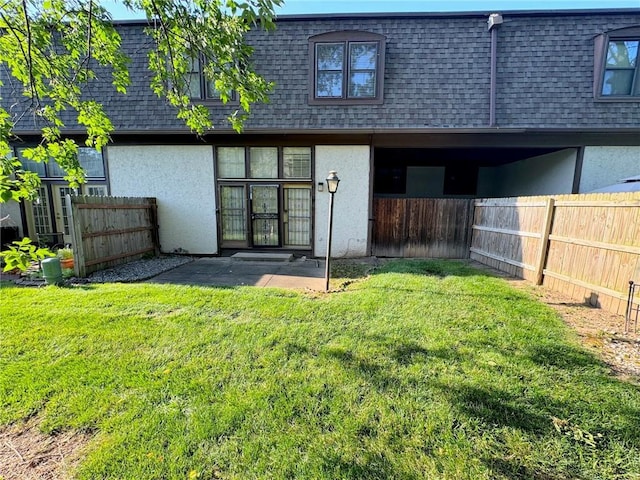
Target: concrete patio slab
<point x="300" y="274"/>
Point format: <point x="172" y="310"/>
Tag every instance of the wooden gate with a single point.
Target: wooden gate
<point x="108" y="231"/>
<point x="421" y="227"/>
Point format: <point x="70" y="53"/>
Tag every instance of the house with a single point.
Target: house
<point x="408" y="105"/>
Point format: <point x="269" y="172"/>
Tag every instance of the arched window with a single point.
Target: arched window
<point x="617" y="64"/>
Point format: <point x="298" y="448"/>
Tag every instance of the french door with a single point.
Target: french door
<point x="41" y="212"/>
<point x="61" y="210"/>
<point x="265" y="215"/>
<point x="48" y="216"/>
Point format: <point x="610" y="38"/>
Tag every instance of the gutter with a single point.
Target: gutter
<point x="332" y="17"/>
<point x="356" y="131"/>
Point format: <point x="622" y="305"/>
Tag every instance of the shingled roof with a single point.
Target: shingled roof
<point x="437" y="75"/>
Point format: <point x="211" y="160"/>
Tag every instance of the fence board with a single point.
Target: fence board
<point x="421" y="227"/>
<point x="108" y="231"/>
<point x="593" y="246"/>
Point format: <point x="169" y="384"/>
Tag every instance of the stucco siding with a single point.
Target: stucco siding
<point x="182" y="180"/>
<point x="351" y="202"/>
<point x="602" y="166"/>
<point x="542" y="175"/>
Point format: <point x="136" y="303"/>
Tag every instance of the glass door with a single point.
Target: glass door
<point x="265" y="216"/>
<point x="41" y="210"/>
<point x="233" y="214"/>
<point x="61" y="210"/>
<point x="297" y="216"/>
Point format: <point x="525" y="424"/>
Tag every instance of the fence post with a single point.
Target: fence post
<point x="544" y="240"/>
<point x="155" y="234"/>
<point x="470" y="219"/>
<point x="76" y="236"/>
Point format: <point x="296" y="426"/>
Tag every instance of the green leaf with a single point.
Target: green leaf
<point x="54" y="68"/>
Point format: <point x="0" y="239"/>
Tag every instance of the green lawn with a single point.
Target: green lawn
<point x="422" y="370"/>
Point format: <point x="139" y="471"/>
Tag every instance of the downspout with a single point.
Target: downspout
<point x="495" y="19"/>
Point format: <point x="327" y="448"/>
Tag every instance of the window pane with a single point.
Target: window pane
<point x="362" y="84"/>
<point x="63" y="192"/>
<point x="234" y="220"/>
<point x="296" y="162"/>
<point x="212" y="92"/>
<point x="41" y="212"/>
<point x="617" y="82"/>
<point x="363" y="56"/>
<point x="329" y="84"/>
<point x="231" y="162"/>
<point x="96" y="190"/>
<point x="264" y="209"/>
<point x="622" y="54"/>
<point x="30" y="165"/>
<point x="194" y="85"/>
<point x="193" y="65"/>
<point x="298" y="207"/>
<point x="330" y="56"/>
<point x="54" y="170"/>
<point x="193" y="78"/>
<point x="263" y="162"/>
<point x="91" y="161"/>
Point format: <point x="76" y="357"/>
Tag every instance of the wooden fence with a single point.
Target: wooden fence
<point x="421" y="227"/>
<point x="107" y="231"/>
<point x="585" y="246"/>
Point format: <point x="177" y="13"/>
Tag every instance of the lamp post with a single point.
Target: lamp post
<point x="332" y="186"/>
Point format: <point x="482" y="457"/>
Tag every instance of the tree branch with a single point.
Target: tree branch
<point x="29" y="59"/>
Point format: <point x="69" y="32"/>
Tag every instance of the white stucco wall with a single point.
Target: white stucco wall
<point x="602" y="166"/>
<point x="542" y="175"/>
<point x="10" y="215"/>
<point x="351" y="201"/>
<point x="182" y="180"/>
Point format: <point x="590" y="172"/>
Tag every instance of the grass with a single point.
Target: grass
<point x="421" y="370"/>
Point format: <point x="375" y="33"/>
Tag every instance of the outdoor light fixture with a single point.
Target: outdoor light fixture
<point x="332" y="182"/>
<point x="332" y="186"/>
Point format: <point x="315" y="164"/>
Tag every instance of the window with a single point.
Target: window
<point x="199" y="87"/>
<point x="296" y="162"/>
<point x="264" y="162"/>
<point x="618" y="64"/>
<point x="90" y="159"/>
<point x="96" y="190"/>
<point x="621" y="68"/>
<point x="347" y="68"/>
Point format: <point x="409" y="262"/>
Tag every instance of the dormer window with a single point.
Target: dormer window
<point x="347" y="68"/>
<point x="200" y="88"/>
<point x="618" y="65"/>
<point x="621" y="68"/>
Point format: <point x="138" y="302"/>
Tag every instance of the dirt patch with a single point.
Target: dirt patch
<point x="28" y="454"/>
<point x="600" y="331"/>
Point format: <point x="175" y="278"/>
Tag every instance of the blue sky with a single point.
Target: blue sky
<point x="294" y="7"/>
